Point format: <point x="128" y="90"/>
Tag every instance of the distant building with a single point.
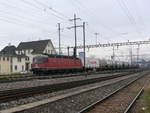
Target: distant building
<point x="10" y="62"/>
<point x="35" y="48"/>
<point x="15" y="60"/>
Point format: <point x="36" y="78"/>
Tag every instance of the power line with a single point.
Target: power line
<point x="52" y="9"/>
<point x="33" y="5"/>
<point x="16" y="21"/>
<point x="22" y="17"/>
<point x="127" y="12"/>
<point x="91" y="12"/>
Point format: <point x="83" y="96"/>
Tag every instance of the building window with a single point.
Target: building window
<point x="7" y="58"/>
<point x="27" y="58"/>
<point x="22" y="68"/>
<point x="19" y="59"/>
<point x="15" y="67"/>
<point x="49" y="51"/>
<point x="3" y="58"/>
<point x="11" y="60"/>
<point x="0" y="58"/>
<point x="29" y="51"/>
<point x="11" y="68"/>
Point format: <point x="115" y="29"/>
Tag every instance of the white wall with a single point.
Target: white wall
<point x="49" y="49"/>
<point x="18" y="64"/>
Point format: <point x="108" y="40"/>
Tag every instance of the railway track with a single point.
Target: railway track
<point x="127" y="110"/>
<point x="9" y="95"/>
<point x="15" y="79"/>
<point x="73" y="100"/>
<point x="95" y="105"/>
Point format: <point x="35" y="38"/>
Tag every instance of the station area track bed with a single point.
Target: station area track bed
<point x="42" y="82"/>
<point x="8" y="95"/>
<point x="74" y="102"/>
<point x="42" y="77"/>
<point x="119" y="101"/>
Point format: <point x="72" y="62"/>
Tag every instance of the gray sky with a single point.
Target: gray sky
<point x="114" y="20"/>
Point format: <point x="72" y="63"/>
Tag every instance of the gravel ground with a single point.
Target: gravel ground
<point x="141" y="105"/>
<point x="120" y="101"/>
<point x="76" y="103"/>
<point x="71" y="104"/>
<point x="34" y="83"/>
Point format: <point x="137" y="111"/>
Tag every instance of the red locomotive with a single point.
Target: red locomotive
<point x="56" y="63"/>
<point x="49" y="64"/>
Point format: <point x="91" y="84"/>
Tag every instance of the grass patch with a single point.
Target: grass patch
<point x="15" y="76"/>
<point x="146" y="102"/>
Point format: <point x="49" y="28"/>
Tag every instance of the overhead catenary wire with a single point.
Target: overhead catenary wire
<point x="52" y="9"/>
<point x="35" y="14"/>
<point x="21" y="23"/>
<point x="129" y="15"/>
<point x="37" y="7"/>
<point x="59" y="15"/>
<point x="19" y="17"/>
<point x="91" y="12"/>
<point x="13" y="7"/>
<point x="22" y="19"/>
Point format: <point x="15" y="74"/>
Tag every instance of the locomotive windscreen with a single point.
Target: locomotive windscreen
<point x="40" y="59"/>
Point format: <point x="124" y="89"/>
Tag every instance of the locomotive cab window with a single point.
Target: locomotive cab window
<point x="40" y="60"/>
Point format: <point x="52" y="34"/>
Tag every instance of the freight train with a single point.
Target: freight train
<point x="56" y="63"/>
<point x="48" y="64"/>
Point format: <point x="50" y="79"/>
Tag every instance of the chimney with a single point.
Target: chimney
<point x="9" y="44"/>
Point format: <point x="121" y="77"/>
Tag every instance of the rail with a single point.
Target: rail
<point x="134" y="100"/>
<point x="14" y="94"/>
<point x="111" y="94"/>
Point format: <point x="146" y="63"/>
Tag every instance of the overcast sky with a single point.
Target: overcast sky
<point x="114" y="20"/>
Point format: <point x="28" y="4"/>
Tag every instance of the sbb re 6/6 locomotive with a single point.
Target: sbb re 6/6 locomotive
<point x="56" y="63"/>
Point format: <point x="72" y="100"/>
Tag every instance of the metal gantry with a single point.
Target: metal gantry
<point x="114" y="44"/>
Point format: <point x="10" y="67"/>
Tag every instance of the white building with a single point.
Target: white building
<point x="35" y="48"/>
<point x="10" y="62"/>
<point x="16" y="60"/>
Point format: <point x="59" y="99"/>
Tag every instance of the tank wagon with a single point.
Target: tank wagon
<point x="59" y="64"/>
